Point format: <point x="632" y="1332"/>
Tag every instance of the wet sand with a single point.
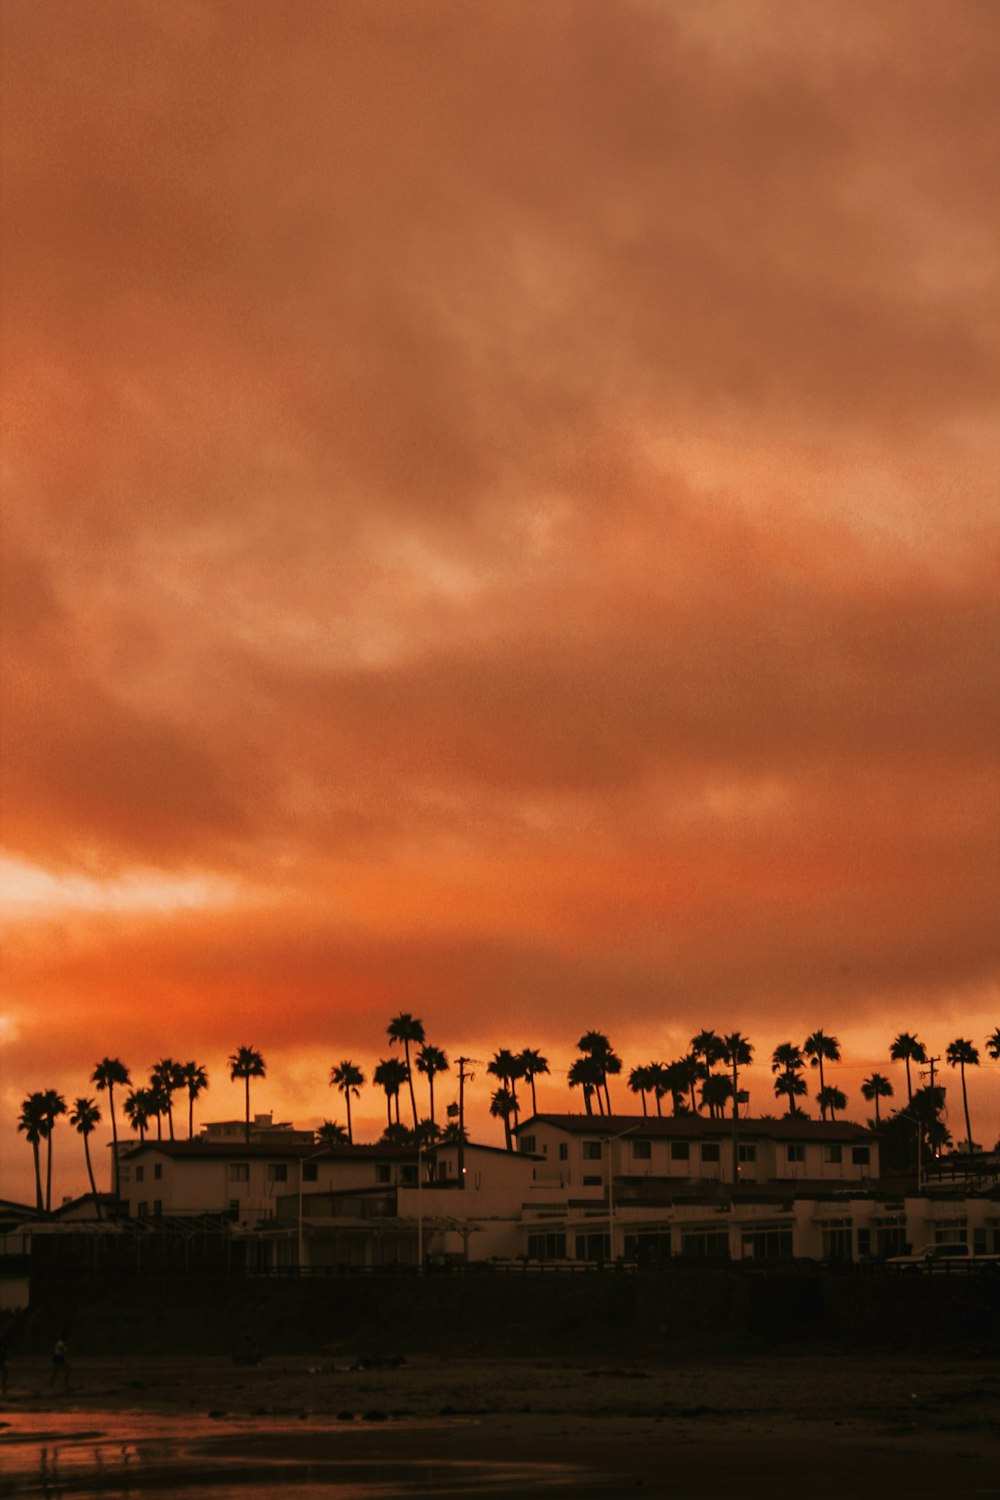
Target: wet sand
<point x="826" y="1426"/>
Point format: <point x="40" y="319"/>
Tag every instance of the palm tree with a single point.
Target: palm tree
<point x="640" y="1081"/>
<point x="792" y="1086"/>
<point x="195" y="1080"/>
<point x="247" y="1063"/>
<point x="787" y="1058"/>
<point x="595" y="1045"/>
<point x="348" y="1078"/>
<point x="737" y="1052"/>
<point x="659" y="1083"/>
<point x="502" y="1106"/>
<point x="84" y="1116"/>
<point x="533" y="1065"/>
<point x="818" y="1047"/>
<point x="452" y="1133"/>
<point x="53" y="1106"/>
<point x="715" y="1093"/>
<point x="876" y="1087"/>
<point x="684" y="1075"/>
<point x="32" y="1122"/>
<point x="993" y="1045"/>
<point x="830" y="1099"/>
<point x="504" y="1065"/>
<point x="390" y="1075"/>
<point x="138" y="1108"/>
<point x="159" y="1101"/>
<point x="584" y="1073"/>
<point x="406" y="1029"/>
<point x="108" y="1073"/>
<point x="706" y="1049"/>
<point x="962" y="1054"/>
<point x="906" y="1048"/>
<point x="168" y="1076"/>
<point x="331" y="1133"/>
<point x="431" y="1061"/>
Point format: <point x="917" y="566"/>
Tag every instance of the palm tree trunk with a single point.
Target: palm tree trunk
<point x="430" y="1087"/>
<point x="409" y="1079"/>
<point x="965" y="1106"/>
<point x="877" y="1121"/>
<point x="90" y="1174"/>
<point x="642" y="1096"/>
<point x="350" y="1135"/>
<point x="909" y="1088"/>
<point x="388" y="1110"/>
<point x="190" y="1114"/>
<point x="38" y="1177"/>
<point x="247" y="1115"/>
<point x="534" y="1106"/>
<point x="114" y="1140"/>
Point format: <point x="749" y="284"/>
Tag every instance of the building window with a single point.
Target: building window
<point x="546" y="1246"/>
<point x="234" y="1207"/>
<point x="382" y="1173"/>
<point x="864" y="1243"/>
<point x="563" y="1151"/>
<point x="748" y="1153"/>
<point x="527" y="1143"/>
<point x="593" y="1247"/>
<point x="861" y="1156"/>
<point x="706" y="1244"/>
<point x="590" y="1180"/>
<point x="833" y="1154"/>
<point x="239" y="1171"/>
<point x="680" y="1151"/>
<point x="142" y="1210"/>
<point x="795" y="1154"/>
<point x="837" y="1244"/>
<point x="140" y="1173"/>
<point x="157" y="1170"/>
<point x="157" y="1208"/>
<point x="591" y="1150"/>
<point x="277" y="1171"/>
<point x="710" y="1151"/>
<point x="310" y="1172"/>
<point x="648" y="1247"/>
<point x="642" y="1150"/>
<point x="768" y="1244"/>
<point x="408" y="1175"/>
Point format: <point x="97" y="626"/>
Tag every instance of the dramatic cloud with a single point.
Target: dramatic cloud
<point x="501" y="523"/>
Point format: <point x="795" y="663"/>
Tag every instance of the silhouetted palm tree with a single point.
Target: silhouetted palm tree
<point x="993" y="1045"/>
<point x="348" y="1079"/>
<point x="138" y="1108"/>
<point x="195" y="1081"/>
<point x="331" y="1133"/>
<point x="109" y="1074"/>
<point x="790" y="1086"/>
<point x="159" y="1100"/>
<point x="406" y="1029"/>
<point x="640" y="1081"/>
<point x="83" y="1117"/>
<point x="684" y="1073"/>
<point x="962" y="1054"/>
<point x="32" y="1122"/>
<point x="819" y="1048"/>
<point x="430" y="1062"/>
<point x="595" y="1045"/>
<point x="533" y="1065"/>
<point x="452" y="1133"/>
<point x="830" y="1099"/>
<point x="716" y="1090"/>
<point x="584" y="1073"/>
<point x="875" y="1088"/>
<point x="906" y="1048"/>
<point x="390" y="1075"/>
<point x="54" y="1106"/>
<point x="502" y="1106"/>
<point x="787" y="1058"/>
<point x="168" y="1076"/>
<point x="737" y="1052"/>
<point x="707" y="1050"/>
<point x="247" y="1063"/>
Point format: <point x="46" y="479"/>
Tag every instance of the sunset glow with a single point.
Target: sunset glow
<point x="501" y="524"/>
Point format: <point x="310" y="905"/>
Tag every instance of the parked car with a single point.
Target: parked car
<point x="953" y="1256"/>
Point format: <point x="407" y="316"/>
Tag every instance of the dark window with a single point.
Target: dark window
<point x="796" y="1153"/>
<point x="143" y="1210"/>
<point x="833" y="1154"/>
<point x="861" y="1155"/>
<point x="591" y="1150"/>
<point x="648" y="1246"/>
<point x="748" y="1153"/>
<point x="239" y="1171"/>
<point x="527" y="1143"/>
<point x="157" y="1207"/>
<point x="140" y="1173"/>
<point x="547" y="1246"/>
<point x="408" y="1175"/>
<point x="837" y="1244"/>
<point x="710" y="1244"/>
<point x="768" y="1244"/>
<point x="310" y="1172"/>
<point x="679" y="1151"/>
<point x="642" y="1150"/>
<point x="563" y="1151"/>
<point x="157" y="1169"/>
<point x="382" y="1173"/>
<point x="710" y="1151"/>
<point x="234" y="1206"/>
<point x="277" y="1171"/>
<point x="590" y="1180"/>
<point x="864" y="1242"/>
<point x="593" y="1247"/>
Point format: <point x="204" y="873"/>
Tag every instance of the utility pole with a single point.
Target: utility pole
<point x="463" y="1063"/>
<point x="931" y="1069"/>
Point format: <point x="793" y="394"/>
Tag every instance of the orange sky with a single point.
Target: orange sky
<point x="501" y="523"/>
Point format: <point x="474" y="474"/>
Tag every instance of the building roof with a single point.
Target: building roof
<point x="698" y="1127"/>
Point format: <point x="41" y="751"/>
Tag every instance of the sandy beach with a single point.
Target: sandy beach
<point x="865" y="1426"/>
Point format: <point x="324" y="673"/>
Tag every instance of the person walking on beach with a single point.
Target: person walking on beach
<point x="60" y="1363"/>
